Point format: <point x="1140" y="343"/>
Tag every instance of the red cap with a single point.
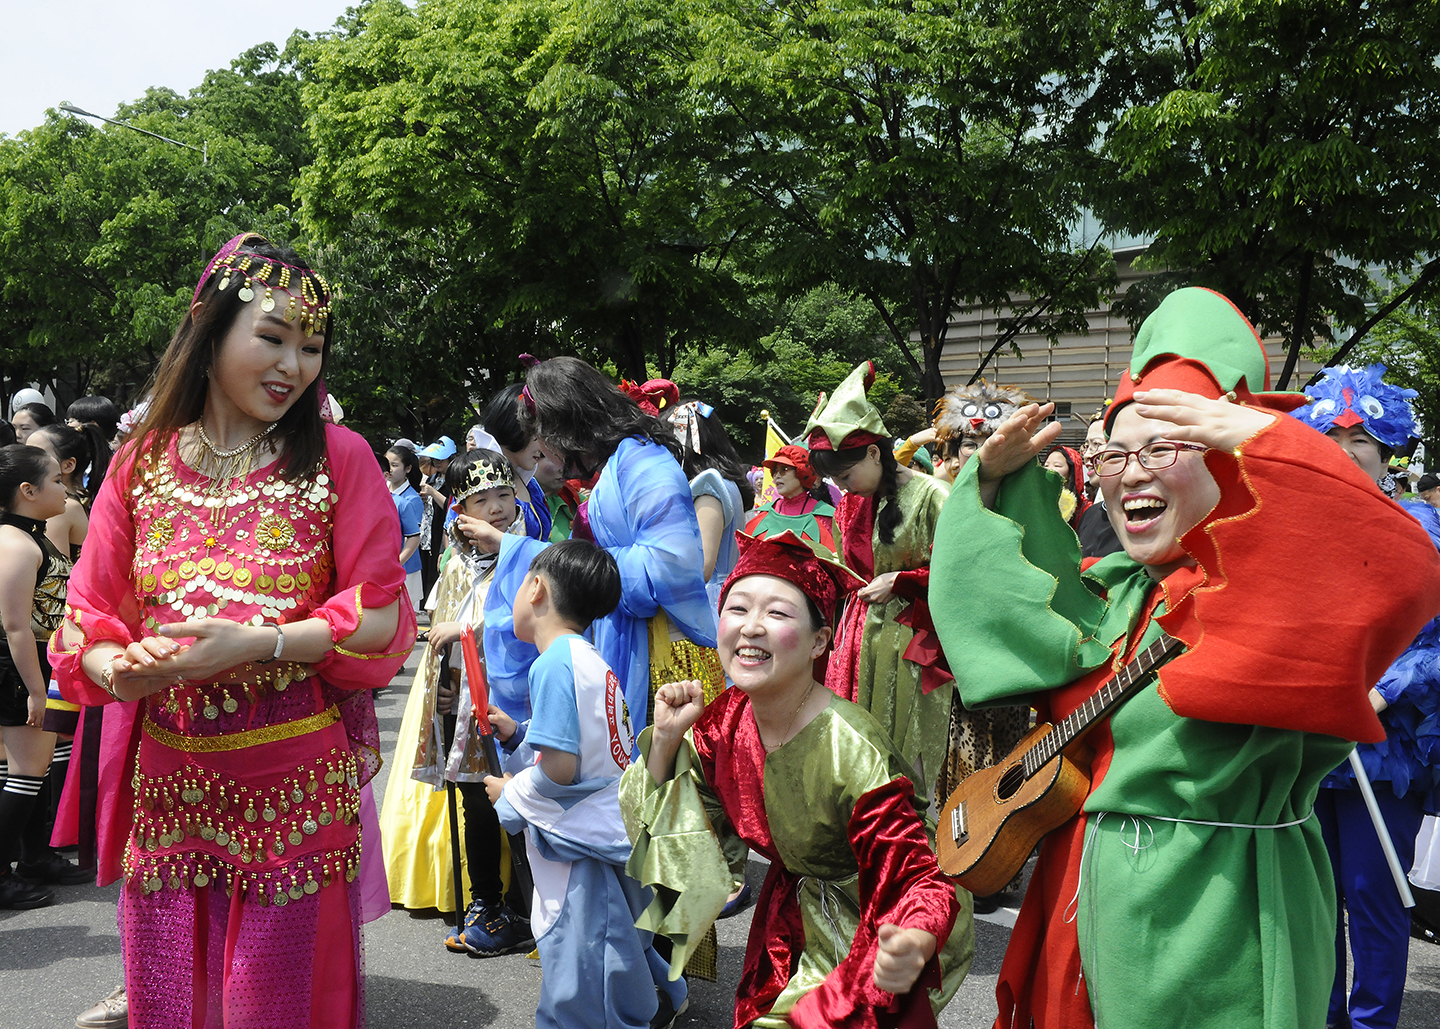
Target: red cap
<point x="798" y="458"/>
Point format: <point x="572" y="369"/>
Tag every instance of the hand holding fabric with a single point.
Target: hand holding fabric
<point x="879" y="590"/>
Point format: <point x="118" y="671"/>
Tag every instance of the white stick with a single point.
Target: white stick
<point x="1363" y="781"/>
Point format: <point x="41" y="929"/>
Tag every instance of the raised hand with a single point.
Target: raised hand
<point x="1021" y="438"/>
<point x="1221" y="424"/>
<point x="678" y="705"/>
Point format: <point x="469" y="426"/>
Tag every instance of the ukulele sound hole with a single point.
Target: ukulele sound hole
<point x="1010" y="782"/>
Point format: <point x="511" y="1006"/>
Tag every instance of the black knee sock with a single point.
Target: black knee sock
<point x="35" y="834"/>
<point x="17" y="800"/>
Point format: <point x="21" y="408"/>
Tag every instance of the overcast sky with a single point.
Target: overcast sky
<point x="100" y="53"/>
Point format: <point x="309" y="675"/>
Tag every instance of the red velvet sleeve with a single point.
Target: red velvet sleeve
<point x="100" y="600"/>
<point x="900" y="884"/>
<point x="913" y="585"/>
<point x="1310" y="583"/>
<point x="368" y="574"/>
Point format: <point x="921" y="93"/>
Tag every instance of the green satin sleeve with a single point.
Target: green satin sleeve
<point x="1012" y="610"/>
<point x="684" y="850"/>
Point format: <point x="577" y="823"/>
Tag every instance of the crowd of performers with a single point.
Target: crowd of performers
<point x="633" y="677"/>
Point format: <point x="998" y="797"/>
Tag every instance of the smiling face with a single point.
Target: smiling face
<point x="263" y="365"/>
<point x="767" y="639"/>
<point x="1362" y="448"/>
<point x="1151" y="510"/>
<point x="786" y="480"/>
<point x="495" y="505"/>
<point x="1056" y="462"/>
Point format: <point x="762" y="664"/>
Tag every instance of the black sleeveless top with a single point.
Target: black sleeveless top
<point x="48" y="607"/>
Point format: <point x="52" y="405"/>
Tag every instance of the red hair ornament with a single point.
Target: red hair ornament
<point x="787" y="556"/>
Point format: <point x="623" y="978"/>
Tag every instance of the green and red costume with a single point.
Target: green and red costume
<point x="1194" y="888"/>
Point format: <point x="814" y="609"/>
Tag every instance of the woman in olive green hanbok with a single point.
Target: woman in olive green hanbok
<point x="884" y="527"/>
<point x="855" y="925"/>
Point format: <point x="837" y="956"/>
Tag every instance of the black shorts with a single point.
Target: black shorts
<point x="14" y="697"/>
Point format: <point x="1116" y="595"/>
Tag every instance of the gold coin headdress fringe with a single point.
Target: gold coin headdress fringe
<point x="311" y="304"/>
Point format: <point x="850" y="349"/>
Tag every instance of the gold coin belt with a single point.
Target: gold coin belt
<point x="252" y="824"/>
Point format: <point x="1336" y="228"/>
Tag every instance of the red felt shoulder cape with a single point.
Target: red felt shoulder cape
<point x="1310" y="583"/>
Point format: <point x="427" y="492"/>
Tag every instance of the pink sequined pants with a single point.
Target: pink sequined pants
<point x="196" y="959"/>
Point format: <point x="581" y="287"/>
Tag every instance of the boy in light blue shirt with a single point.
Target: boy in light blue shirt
<point x="571" y="754"/>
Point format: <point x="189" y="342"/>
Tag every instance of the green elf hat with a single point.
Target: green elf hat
<point x="1199" y="342"/>
<point x="848" y="419"/>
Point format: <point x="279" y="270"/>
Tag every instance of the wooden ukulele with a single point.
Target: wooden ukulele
<point x="996" y="816"/>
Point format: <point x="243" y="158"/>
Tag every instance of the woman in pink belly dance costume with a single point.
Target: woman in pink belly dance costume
<point x="238" y="590"/>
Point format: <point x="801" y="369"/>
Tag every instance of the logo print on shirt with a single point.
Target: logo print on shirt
<point x="622" y="738"/>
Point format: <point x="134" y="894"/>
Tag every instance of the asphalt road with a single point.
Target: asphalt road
<point x="57" y="961"/>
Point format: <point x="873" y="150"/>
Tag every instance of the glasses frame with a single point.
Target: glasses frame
<point x="1179" y="445"/>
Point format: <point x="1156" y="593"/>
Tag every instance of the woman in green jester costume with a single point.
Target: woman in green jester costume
<point x="884" y="526"/>
<point x="1193" y="889"/>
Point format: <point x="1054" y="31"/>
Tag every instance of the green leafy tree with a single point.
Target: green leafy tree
<point x="556" y="144"/>
<point x="815" y="341"/>
<point x="1276" y="150"/>
<point x="926" y="156"/>
<point x="103" y="231"/>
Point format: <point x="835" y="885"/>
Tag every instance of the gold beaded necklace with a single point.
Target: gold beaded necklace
<point x="222" y="467"/>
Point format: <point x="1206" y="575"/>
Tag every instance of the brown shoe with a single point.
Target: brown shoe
<point x="111" y="1013"/>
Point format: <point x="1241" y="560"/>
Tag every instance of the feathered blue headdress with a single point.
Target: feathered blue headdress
<point x="1349" y="396"/>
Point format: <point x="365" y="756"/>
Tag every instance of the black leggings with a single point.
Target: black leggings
<point x="482" y="844"/>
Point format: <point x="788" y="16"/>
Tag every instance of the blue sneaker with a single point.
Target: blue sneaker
<point x="501" y="933"/>
<point x="476" y="912"/>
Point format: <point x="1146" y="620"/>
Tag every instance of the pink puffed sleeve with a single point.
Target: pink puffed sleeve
<point x="100" y="600"/>
<point x="368" y="575"/>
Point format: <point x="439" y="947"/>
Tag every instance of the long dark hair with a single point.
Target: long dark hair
<point x="833" y="462"/>
<point x="86" y="446"/>
<point x="177" y="393"/>
<point x="410" y="462"/>
<point x="582" y="414"/>
<point x="716" y="451"/>
<point x="501" y="419"/>
<point x="19" y="464"/>
<point x="99" y="412"/>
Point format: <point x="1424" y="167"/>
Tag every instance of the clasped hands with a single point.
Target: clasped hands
<point x="156" y="662"/>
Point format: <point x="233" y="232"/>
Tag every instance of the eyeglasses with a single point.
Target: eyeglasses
<point x="1152" y="457"/>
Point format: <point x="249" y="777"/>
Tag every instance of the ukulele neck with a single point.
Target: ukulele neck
<point x="1098" y="704"/>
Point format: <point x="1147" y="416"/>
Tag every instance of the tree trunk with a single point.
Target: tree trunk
<point x="1300" y="331"/>
<point x="632" y="349"/>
